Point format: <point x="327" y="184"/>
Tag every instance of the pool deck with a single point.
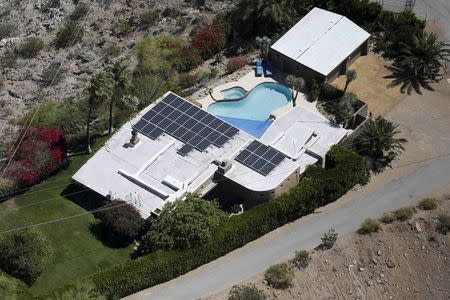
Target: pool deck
<point x="248" y="82"/>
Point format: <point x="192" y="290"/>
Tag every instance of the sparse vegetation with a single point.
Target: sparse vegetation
<point x="69" y="35"/>
<point x="388" y="217"/>
<point x="24" y="254"/>
<point x="404" y="213"/>
<point x="9" y="59"/>
<point x="279" y="276"/>
<point x="328" y="239"/>
<point x="444" y="223"/>
<point x="369" y="225"/>
<point x="428" y="204"/>
<point x="53" y="74"/>
<point x="80" y="11"/>
<point x="7" y="30"/>
<point x="30" y="47"/>
<point x="301" y="259"/>
<point x="236" y="63"/>
<point x="246" y="292"/>
<point x="148" y="18"/>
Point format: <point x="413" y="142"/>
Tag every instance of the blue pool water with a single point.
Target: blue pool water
<point x="257" y="105"/>
<point x="234" y="93"/>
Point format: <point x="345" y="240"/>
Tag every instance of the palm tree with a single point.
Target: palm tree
<point x="263" y="45"/>
<point x="344" y="109"/>
<point x="378" y="143"/>
<point x="99" y="92"/>
<point x="296" y="84"/>
<point x="350" y="75"/>
<point x="122" y="84"/>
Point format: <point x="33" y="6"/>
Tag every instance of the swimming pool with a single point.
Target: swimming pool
<point x="234" y="93"/>
<point x="259" y="103"/>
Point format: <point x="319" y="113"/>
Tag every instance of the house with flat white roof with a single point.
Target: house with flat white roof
<point x="321" y="45"/>
<point x="173" y="148"/>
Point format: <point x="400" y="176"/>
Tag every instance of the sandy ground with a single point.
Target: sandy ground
<point x="400" y="262"/>
<point x="370" y="86"/>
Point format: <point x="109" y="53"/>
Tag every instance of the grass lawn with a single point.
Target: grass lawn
<point x="78" y="252"/>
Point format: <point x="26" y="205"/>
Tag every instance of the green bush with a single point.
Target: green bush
<point x="24" y="254"/>
<point x="53" y="75"/>
<point x="444" y="224"/>
<point x="30" y="47"/>
<point x="369" y="226"/>
<point x="279" y="276"/>
<point x="246" y="292"/>
<point x="301" y="259"/>
<point x="328" y="240"/>
<point x="12" y="289"/>
<point x="148" y="18"/>
<point x="388" y="217"/>
<point x="69" y="35"/>
<point x="428" y="204"/>
<point x="80" y="11"/>
<point x="345" y="169"/>
<point x="404" y="213"/>
<point x="7" y="30"/>
<point x="9" y="59"/>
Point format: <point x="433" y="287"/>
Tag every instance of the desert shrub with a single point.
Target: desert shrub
<point x="328" y="240"/>
<point x="182" y="224"/>
<point x="80" y="11"/>
<point x="30" y="47"/>
<point x="41" y="153"/>
<point x="444" y="224"/>
<point x="301" y="259"/>
<point x="246" y="292"/>
<point x="24" y="254"/>
<point x="9" y="59"/>
<point x="427" y="204"/>
<point x="165" y="54"/>
<point x="404" y="213"/>
<point x="50" y="4"/>
<point x="369" y="226"/>
<point x="279" y="276"/>
<point x="210" y="39"/>
<point x="123" y="27"/>
<point x="7" y="30"/>
<point x="53" y="74"/>
<point x="236" y="63"/>
<point x="187" y="80"/>
<point x="112" y="51"/>
<point x="121" y="220"/>
<point x="148" y="18"/>
<point x="69" y="35"/>
<point x="388" y="217"/>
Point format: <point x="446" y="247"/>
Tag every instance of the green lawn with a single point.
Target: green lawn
<point x="78" y="252"/>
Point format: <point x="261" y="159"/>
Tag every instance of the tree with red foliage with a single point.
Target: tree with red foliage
<point x="42" y="151"/>
<point x="210" y="39"/>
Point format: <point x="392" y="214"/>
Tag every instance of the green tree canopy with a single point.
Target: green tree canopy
<point x="182" y="224"/>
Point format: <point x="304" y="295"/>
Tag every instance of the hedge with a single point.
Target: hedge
<point x="318" y="187"/>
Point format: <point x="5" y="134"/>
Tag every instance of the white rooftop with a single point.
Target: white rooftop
<point x="321" y="40"/>
<point x="152" y="172"/>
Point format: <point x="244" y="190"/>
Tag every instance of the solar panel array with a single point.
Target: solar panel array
<point x="186" y="122"/>
<point x="260" y="158"/>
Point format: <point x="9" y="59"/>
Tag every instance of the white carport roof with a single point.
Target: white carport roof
<point x="321" y="40"/>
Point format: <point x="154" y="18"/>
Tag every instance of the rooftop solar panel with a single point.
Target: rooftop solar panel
<point x="260" y="158"/>
<point x="185" y="122"/>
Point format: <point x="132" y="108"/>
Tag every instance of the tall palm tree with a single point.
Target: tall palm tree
<point x="296" y="84"/>
<point x="350" y="75"/>
<point x="100" y="91"/>
<point x="378" y="143"/>
<point x="122" y="84"/>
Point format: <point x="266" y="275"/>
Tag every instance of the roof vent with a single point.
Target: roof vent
<point x="134" y="137"/>
<point x="224" y="166"/>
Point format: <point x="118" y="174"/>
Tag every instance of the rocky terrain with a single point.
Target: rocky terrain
<point x="405" y="260"/>
<point x="111" y="29"/>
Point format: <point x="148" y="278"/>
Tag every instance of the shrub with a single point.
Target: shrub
<point x="246" y="292"/>
<point x="404" y="213"/>
<point x="80" y="291"/>
<point x="80" y="11"/>
<point x="187" y="80"/>
<point x="53" y="75"/>
<point x="121" y="220"/>
<point x="301" y="259"/>
<point x="210" y="40"/>
<point x="388" y="217"/>
<point x="279" y="276"/>
<point x="347" y="169"/>
<point x="236" y="63"/>
<point x="30" y="47"/>
<point x="428" y="204"/>
<point x="328" y="240"/>
<point x="9" y="59"/>
<point x="7" y="30"/>
<point x="12" y="289"/>
<point x="69" y="35"/>
<point x="148" y="18"/>
<point x="112" y="51"/>
<point x="444" y="224"/>
<point x="369" y="226"/>
<point x="24" y="254"/>
<point x="182" y="224"/>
